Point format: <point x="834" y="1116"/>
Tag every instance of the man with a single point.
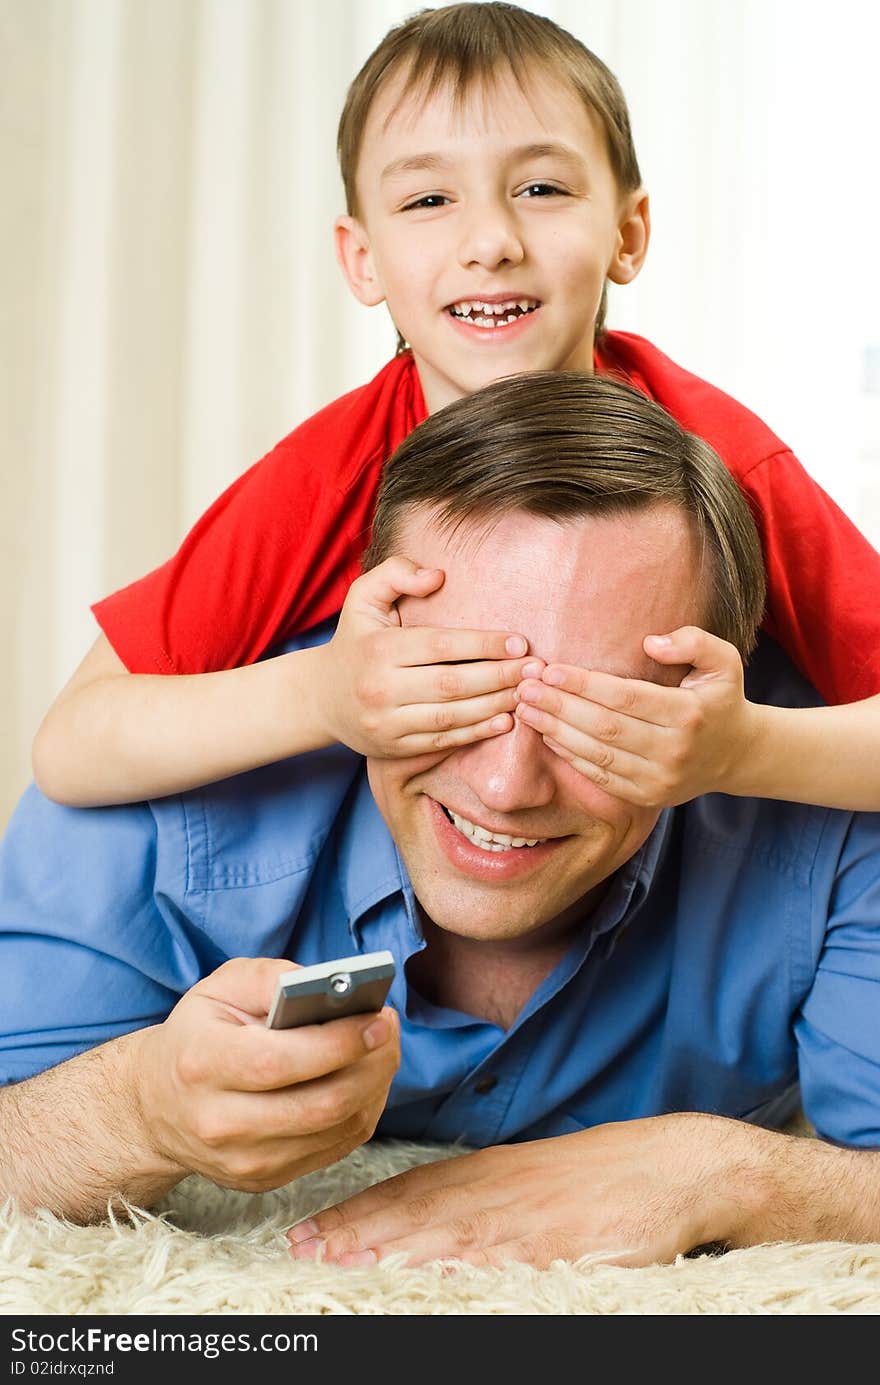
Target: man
<point x="608" y="998"/>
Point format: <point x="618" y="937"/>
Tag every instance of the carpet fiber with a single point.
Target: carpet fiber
<point x="206" y="1250"/>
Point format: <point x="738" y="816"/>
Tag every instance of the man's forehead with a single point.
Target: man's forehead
<point x="583" y="591"/>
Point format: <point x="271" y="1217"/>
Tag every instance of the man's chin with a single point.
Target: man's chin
<point x="488" y="911"/>
<point x="479" y="920"/>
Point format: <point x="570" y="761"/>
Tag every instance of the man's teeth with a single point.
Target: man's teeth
<point x="490" y="841"/>
<point x="493" y="314"/>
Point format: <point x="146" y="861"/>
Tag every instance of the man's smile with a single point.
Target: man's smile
<point x="489" y="839"/>
<point x="483" y="854"/>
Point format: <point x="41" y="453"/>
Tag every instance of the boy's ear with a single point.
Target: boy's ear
<point x="356" y="260"/>
<point x="633" y="234"/>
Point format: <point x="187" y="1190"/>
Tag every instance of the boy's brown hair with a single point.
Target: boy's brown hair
<point x="468" y="44"/>
<point x="563" y="445"/>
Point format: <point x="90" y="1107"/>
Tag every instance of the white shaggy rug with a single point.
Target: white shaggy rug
<point x="206" y="1250"/>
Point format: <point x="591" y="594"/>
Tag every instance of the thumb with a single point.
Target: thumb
<point x="378" y="590"/>
<point x="709" y="656"/>
<point x="245" y="985"/>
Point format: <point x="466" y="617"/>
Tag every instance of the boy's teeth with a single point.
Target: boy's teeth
<point x="490" y="841"/>
<point x="493" y="314"/>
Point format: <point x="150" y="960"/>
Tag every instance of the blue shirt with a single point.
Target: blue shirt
<point x="733" y="958"/>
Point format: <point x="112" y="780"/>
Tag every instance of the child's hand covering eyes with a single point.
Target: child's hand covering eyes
<point x="647" y="744"/>
<point x="390" y="691"/>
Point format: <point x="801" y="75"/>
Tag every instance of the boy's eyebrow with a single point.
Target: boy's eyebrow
<point x="415" y="163"/>
<point x="434" y="162"/>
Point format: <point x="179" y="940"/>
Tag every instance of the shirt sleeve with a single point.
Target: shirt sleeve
<point x="89" y="948"/>
<point x="823" y="580"/>
<point x="276" y="552"/>
<point x="823" y="575"/>
<point x="838" y="1027"/>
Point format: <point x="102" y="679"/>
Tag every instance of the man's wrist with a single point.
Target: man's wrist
<point x="149" y="1160"/>
<point x="737" y="1173"/>
<point x="765" y="1185"/>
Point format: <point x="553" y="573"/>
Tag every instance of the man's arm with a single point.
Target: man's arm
<point x="71" y="1138"/>
<point x="636" y="1193"/>
<point x="648" y="1190"/>
<point x="211" y="1090"/>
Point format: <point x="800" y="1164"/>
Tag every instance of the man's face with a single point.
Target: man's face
<point x="510" y="202"/>
<point x="585" y="592"/>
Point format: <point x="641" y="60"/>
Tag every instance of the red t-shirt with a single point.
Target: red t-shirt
<point x="277" y="552"/>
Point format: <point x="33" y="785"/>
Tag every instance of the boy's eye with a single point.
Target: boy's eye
<point x="542" y="190"/>
<point x="431" y="199"/>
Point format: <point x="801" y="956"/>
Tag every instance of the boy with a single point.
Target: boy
<point x="492" y="191"/>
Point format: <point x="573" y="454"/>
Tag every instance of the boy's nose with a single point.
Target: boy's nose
<point x="491" y="238"/>
<point x="510" y="773"/>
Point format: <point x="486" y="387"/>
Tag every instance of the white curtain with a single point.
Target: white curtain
<point x="171" y="306"/>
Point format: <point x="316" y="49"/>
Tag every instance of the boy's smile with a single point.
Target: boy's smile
<point x="489" y="228"/>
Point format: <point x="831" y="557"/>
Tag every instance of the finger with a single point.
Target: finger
<point x="378" y="590"/>
<point x="257" y="1164"/>
<point x="245" y="984"/>
<point x="409" y="1189"/>
<point x="432" y="1225"/>
<point x="429" y="742"/>
<point x="424" y="644"/>
<point x="421" y="718"/>
<point x="590" y="729"/>
<point x="307" y="1108"/>
<point x="446" y="682"/>
<point x="629" y="789"/>
<point x="332" y="1101"/>
<point x="253" y="1058"/>
<point x="469" y="1230"/>
<point x="631" y="697"/>
<point x="708" y="655"/>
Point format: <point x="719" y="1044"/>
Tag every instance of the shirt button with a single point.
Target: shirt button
<point x="485" y="1085"/>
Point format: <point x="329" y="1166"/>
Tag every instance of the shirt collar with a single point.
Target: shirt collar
<point x="646" y="862"/>
<point x="370" y="867"/>
<point x="630" y="885"/>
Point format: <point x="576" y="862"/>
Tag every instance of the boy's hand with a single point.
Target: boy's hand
<point x="218" y="1093"/>
<point x="650" y="745"/>
<point x="389" y="691"/>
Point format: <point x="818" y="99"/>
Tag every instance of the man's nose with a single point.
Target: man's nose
<point x="490" y="236"/>
<point x="512" y="772"/>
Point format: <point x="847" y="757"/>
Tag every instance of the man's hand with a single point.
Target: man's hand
<point x="635" y="1193"/>
<point x="389" y="691"/>
<point x="650" y="745"/>
<point x="249" y="1107"/>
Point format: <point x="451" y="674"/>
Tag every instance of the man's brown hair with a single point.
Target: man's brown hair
<point x="563" y="445"/>
<point x="466" y="45"/>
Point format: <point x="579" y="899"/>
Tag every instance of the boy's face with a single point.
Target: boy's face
<point x="505" y="212"/>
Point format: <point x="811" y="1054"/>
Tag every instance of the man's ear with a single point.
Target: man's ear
<point x="633" y="234"/>
<point x="356" y="261"/>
